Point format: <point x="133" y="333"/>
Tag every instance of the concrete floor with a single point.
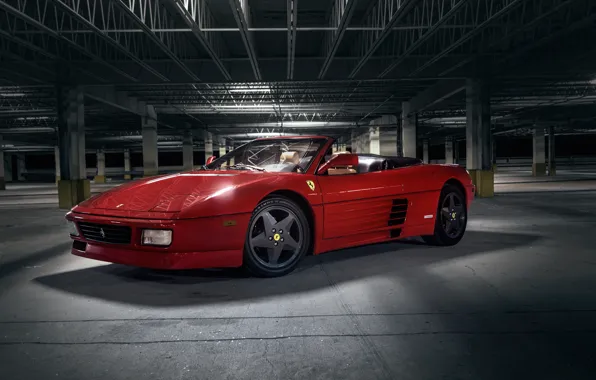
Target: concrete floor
<point x="516" y="299"/>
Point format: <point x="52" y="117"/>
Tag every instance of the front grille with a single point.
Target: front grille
<point x="399" y="209"/>
<point x="111" y="234"/>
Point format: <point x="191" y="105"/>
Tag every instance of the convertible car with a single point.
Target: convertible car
<point x="267" y="204"/>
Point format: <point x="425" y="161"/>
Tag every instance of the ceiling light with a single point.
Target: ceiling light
<point x="243" y="89"/>
<point x="12" y="94"/>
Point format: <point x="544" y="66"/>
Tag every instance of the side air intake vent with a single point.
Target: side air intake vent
<point x="398" y="213"/>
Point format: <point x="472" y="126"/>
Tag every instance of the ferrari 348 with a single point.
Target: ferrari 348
<point x="267" y="204"/>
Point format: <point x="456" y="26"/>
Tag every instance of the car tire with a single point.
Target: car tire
<point x="441" y="236"/>
<point x="257" y="260"/>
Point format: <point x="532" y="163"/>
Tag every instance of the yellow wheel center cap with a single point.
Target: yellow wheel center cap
<point x="453" y="215"/>
<point x="276" y="237"/>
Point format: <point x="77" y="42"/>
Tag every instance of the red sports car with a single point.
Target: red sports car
<point x="269" y="203"/>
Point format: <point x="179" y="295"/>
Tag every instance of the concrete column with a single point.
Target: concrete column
<point x="552" y="162"/>
<point x="493" y="152"/>
<point x="127" y="174"/>
<point x="7" y="167"/>
<point x="208" y="139"/>
<point x="188" y="162"/>
<point x="359" y="144"/>
<point x="21" y="167"/>
<point x="449" y="158"/>
<point x="425" y="157"/>
<point x="2" y="172"/>
<point x="149" y="128"/>
<point x="539" y="153"/>
<point x="408" y="131"/>
<point x="100" y="176"/>
<point x="374" y="143"/>
<point x="222" y="147"/>
<point x="455" y="151"/>
<point x="388" y="141"/>
<point x="387" y="135"/>
<point x="73" y="187"/>
<point x="478" y="138"/>
<point x="354" y="141"/>
<point x="57" y="162"/>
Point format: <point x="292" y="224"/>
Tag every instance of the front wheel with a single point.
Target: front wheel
<point x="451" y="218"/>
<point x="278" y="237"/>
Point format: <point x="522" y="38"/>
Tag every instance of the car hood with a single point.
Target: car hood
<point x="171" y="193"/>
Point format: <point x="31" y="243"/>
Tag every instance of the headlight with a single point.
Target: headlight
<point x="157" y="237"/>
<point x="72" y="228"/>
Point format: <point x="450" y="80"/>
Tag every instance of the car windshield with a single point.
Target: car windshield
<point x="272" y="155"/>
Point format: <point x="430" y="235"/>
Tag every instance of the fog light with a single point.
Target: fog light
<point x="157" y="237"/>
<point x="72" y="228"/>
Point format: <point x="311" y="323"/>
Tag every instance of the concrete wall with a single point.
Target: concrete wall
<point x="7" y="167"/>
<point x="526" y="162"/>
<point x="513" y="163"/>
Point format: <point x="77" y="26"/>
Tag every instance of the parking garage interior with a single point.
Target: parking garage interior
<point x="98" y="93"/>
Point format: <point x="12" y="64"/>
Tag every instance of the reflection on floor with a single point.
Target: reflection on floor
<point x="516" y="299"/>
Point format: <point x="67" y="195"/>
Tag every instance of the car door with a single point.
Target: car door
<point x="360" y="203"/>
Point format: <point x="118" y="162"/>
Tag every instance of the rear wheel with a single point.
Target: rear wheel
<point x="451" y="218"/>
<point x="278" y="237"/>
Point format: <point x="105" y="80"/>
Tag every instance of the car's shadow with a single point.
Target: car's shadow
<point x="159" y="288"/>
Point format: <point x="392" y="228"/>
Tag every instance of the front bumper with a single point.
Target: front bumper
<point x="197" y="243"/>
<point x="157" y="260"/>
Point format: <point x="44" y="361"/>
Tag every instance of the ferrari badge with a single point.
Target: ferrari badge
<point x="311" y="184"/>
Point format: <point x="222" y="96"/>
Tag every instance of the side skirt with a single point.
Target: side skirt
<point x="367" y="238"/>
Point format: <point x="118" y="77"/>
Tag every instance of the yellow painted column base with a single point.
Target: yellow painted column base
<point x="73" y="192"/>
<point x="2" y="183"/>
<point x="57" y="179"/>
<point x="484" y="180"/>
<point x="100" y="179"/>
<point x="538" y="170"/>
<point x="127" y="176"/>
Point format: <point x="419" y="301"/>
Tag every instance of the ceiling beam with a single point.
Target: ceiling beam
<point x="142" y="18"/>
<point x="433" y="16"/>
<point x="196" y="15"/>
<point x="292" y="11"/>
<point x="341" y="14"/>
<point x="385" y="14"/>
<point x="241" y="11"/>
<point x="435" y="94"/>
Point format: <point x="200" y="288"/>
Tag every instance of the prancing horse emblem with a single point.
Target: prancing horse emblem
<point x="102" y="233"/>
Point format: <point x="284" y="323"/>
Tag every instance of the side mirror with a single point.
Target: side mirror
<point x="343" y="160"/>
<point x="210" y="160"/>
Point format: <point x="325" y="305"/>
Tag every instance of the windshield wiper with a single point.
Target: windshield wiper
<point x="244" y="166"/>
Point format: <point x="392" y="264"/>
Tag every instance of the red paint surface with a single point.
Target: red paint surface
<point x="348" y="210"/>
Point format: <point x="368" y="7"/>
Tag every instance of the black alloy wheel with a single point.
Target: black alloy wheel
<point x="451" y="218"/>
<point x="278" y="237"/>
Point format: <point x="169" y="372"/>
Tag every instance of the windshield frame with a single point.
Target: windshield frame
<point x="309" y="169"/>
